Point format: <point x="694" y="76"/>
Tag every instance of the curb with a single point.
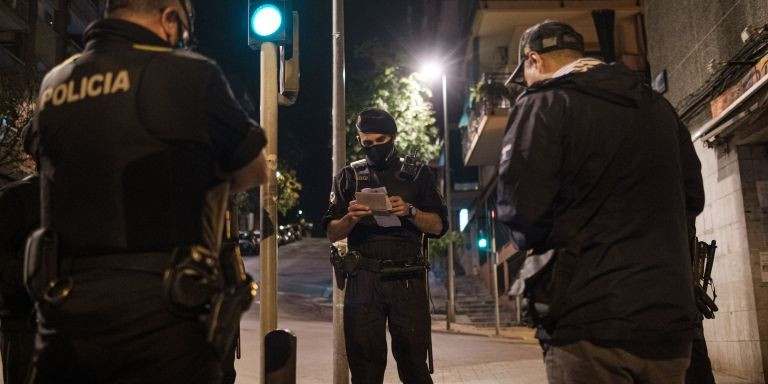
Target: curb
<point x="522" y="335"/>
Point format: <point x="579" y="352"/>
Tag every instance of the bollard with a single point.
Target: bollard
<point x="280" y="357"/>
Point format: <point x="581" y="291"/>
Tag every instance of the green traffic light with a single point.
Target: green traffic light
<point x="266" y="20"/>
<point x="482" y="243"/>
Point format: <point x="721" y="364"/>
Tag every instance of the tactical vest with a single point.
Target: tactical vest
<point x="109" y="185"/>
<point x="386" y="243"/>
<point x="364" y="178"/>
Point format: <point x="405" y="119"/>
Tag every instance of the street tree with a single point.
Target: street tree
<point x="386" y="84"/>
<point x="288" y="188"/>
<point x="17" y="101"/>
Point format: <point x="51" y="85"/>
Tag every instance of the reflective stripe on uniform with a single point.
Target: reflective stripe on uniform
<point x="152" y="48"/>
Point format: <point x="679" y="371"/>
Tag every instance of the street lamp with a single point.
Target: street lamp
<point x="431" y="70"/>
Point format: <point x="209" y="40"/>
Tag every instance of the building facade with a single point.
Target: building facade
<point x="710" y="59"/>
<point x="35" y="35"/>
<point x="714" y="62"/>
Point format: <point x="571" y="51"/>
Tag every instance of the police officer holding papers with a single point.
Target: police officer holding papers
<point x="385" y="264"/>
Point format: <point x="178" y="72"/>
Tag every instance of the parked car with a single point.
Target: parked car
<point x="296" y="230"/>
<point x="249" y="242"/>
<point x="283" y="237"/>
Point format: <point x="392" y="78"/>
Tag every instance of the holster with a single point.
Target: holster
<point x="191" y="281"/>
<point x="222" y="322"/>
<point x="41" y="262"/>
<point x="343" y="266"/>
<point x="706" y="305"/>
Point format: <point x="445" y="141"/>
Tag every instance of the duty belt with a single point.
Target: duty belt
<point x="152" y="262"/>
<point x="391" y="266"/>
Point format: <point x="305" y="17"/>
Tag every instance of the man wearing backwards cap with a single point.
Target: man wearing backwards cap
<point x="597" y="163"/>
<point x="387" y="284"/>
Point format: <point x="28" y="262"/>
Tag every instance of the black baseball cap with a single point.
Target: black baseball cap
<point x="546" y="36"/>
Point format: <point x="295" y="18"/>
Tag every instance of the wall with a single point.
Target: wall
<point x="710" y="29"/>
<point x="753" y="163"/>
<point x="733" y="336"/>
<point x="684" y="35"/>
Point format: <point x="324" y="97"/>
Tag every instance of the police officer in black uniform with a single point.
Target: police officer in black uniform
<point x="385" y="288"/>
<point x="19" y="216"/>
<point x="133" y="138"/>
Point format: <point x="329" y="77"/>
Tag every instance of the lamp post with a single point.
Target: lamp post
<point x="431" y="70"/>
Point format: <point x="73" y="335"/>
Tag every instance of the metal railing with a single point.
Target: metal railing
<point x="479" y="108"/>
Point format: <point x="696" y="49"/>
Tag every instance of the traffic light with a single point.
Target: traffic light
<point x="269" y="21"/>
<point x="482" y="241"/>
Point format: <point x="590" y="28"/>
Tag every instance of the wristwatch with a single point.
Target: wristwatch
<point x="411" y="211"/>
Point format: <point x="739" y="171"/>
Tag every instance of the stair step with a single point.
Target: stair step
<point x="475" y="304"/>
<point x="477" y="307"/>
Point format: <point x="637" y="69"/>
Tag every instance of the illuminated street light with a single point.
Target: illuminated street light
<point x="432" y="70"/>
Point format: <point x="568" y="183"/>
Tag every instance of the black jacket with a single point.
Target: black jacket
<point x="633" y="279"/>
<point x="130" y="136"/>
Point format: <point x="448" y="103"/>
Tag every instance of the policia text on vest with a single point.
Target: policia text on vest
<point x="89" y="86"/>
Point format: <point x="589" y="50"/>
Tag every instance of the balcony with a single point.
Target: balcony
<point x="13" y="15"/>
<point x="482" y="137"/>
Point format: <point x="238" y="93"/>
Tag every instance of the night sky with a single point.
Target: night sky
<point x="304" y="131"/>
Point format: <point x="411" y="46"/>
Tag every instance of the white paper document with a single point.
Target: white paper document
<point x="378" y="200"/>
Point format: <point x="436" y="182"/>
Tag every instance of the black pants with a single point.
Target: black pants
<point x="115" y="328"/>
<point x="371" y="300"/>
<point x="700" y="370"/>
<point x="228" y="364"/>
<point x="585" y="362"/>
<point x="17" y="343"/>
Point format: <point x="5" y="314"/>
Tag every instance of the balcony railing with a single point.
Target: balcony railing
<point x="490" y="104"/>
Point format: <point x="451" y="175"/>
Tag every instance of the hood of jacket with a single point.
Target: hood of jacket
<point x="614" y="83"/>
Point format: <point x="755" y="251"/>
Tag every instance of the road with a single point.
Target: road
<point x="304" y="283"/>
<point x="304" y="278"/>
<point x="303" y="306"/>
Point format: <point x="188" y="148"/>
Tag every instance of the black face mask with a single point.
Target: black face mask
<point x="378" y="155"/>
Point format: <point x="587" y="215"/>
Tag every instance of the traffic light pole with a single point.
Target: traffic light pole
<point x="268" y="197"/>
<point x="340" y="367"/>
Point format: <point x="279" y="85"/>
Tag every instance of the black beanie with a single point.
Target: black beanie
<point x="375" y="120"/>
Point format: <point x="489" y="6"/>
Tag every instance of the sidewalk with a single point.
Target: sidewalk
<point x="513" y="372"/>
